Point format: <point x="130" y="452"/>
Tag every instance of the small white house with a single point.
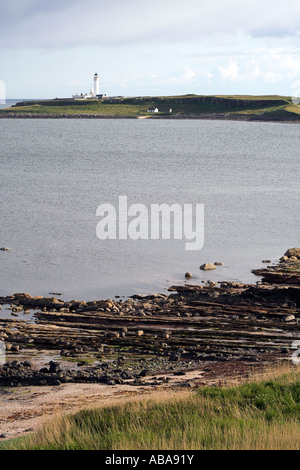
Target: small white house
<point x="153" y="110"/>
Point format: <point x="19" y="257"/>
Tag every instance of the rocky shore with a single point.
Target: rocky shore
<point x="9" y="115"/>
<point x="293" y="118"/>
<point x="116" y="342"/>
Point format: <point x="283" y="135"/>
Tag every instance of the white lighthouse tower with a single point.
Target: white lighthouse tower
<point x="96" y="84"/>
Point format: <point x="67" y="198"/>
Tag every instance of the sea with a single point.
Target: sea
<point x="54" y="173"/>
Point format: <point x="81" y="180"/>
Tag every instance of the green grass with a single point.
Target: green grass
<point x="261" y="415"/>
<point x="188" y="105"/>
<point x="98" y="108"/>
<point x="293" y="109"/>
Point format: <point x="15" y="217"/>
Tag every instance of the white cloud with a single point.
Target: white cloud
<point x="159" y="47"/>
<point x="273" y="77"/>
<point x="271" y="67"/>
<point x="188" y="76"/>
<point x="230" y="71"/>
<point x="181" y="77"/>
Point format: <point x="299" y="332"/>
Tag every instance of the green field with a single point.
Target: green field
<point x="188" y="105"/>
<point x="261" y="414"/>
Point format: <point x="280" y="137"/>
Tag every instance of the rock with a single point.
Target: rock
<point x="185" y="385"/>
<point x="188" y="275"/>
<point x="289" y="318"/>
<point x="17" y="309"/>
<point x="293" y="252"/>
<point x="140" y="333"/>
<point x="266" y="261"/>
<point x="175" y="357"/>
<point x="107" y="304"/>
<point x="65" y="352"/>
<point x="4" y="249"/>
<point x="147" y="305"/>
<point x="23" y="297"/>
<point x="238" y="285"/>
<point x="112" y="334"/>
<point x="54" y="367"/>
<point x="27" y="364"/>
<point x="208" y="267"/>
<point x="217" y="263"/>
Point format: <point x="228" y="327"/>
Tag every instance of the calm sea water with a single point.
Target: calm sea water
<point x="55" y="173"/>
<point x="8" y="103"/>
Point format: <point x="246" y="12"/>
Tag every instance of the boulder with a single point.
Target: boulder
<point x="54" y="367"/>
<point x="289" y="318"/>
<point x="293" y="252"/>
<point x="22" y="297"/>
<point x="107" y="304"/>
<point x="208" y="267"/>
<point x="188" y="275"/>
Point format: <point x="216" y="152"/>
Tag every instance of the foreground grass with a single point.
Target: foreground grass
<point x="258" y="415"/>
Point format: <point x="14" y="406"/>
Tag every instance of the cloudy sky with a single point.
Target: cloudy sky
<point x="52" y="48"/>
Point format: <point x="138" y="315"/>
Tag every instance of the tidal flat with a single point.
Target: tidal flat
<point x="82" y="352"/>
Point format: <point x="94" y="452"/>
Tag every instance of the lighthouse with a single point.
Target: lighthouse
<point x="96" y="85"/>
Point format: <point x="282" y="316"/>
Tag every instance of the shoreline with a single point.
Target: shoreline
<point x="196" y="335"/>
<point x="177" y="331"/>
<point x="211" y="117"/>
<point x="25" y="410"/>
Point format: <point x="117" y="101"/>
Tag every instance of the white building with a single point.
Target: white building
<point x="153" y="110"/>
<point x="82" y="96"/>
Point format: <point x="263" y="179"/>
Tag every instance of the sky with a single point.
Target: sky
<point x="52" y="48"/>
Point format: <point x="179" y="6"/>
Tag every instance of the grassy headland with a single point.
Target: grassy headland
<point x="236" y="107"/>
<point x="260" y="414"/>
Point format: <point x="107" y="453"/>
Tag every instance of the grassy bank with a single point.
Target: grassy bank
<point x="264" y="106"/>
<point x="262" y="414"/>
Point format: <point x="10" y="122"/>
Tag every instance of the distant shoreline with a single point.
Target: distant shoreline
<point x="211" y="117"/>
<point x="222" y="108"/>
